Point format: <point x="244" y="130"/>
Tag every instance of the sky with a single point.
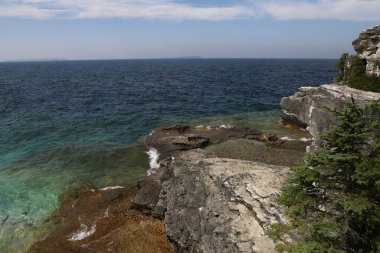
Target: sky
<point x="139" y="29"/>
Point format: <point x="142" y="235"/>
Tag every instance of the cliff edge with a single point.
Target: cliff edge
<point x="213" y="204"/>
<point x="310" y="105"/>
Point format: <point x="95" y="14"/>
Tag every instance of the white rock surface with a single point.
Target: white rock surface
<point x="309" y="105"/>
<point x="221" y="205"/>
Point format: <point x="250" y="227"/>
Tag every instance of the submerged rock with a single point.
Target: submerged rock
<point x="103" y="221"/>
<point x="3" y="218"/>
<point x="311" y="105"/>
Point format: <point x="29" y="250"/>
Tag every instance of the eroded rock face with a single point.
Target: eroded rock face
<point x="220" y="205"/>
<point x="368" y="48"/>
<point x="310" y="105"/>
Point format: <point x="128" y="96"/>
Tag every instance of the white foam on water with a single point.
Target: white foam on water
<point x="82" y="233"/>
<point x="200" y="126"/>
<point x="153" y="160"/>
<point x="151" y="133"/>
<point x="226" y="126"/>
<point x="112" y="188"/>
<point x="287" y="138"/>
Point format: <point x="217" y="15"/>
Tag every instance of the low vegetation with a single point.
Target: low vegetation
<point x="355" y="74"/>
<point x="333" y="198"/>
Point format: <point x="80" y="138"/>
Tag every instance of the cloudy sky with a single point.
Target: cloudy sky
<point x="120" y="29"/>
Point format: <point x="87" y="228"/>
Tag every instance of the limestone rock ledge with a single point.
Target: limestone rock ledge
<point x="212" y="204"/>
<point x="310" y="105"/>
<point x="220" y="205"/>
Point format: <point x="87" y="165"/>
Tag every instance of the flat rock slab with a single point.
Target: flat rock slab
<point x="220" y="205"/>
<point x="169" y="139"/>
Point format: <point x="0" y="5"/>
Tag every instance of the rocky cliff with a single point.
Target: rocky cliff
<point x="367" y="47"/>
<point x="213" y="204"/>
<point x="310" y="105"/>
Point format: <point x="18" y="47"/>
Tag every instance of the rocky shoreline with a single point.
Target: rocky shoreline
<point x="208" y="203"/>
<point x="191" y="201"/>
<point x="194" y="200"/>
<point x="214" y="204"/>
<point x="103" y="221"/>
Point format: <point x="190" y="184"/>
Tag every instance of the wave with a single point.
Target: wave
<point x="83" y="233"/>
<point x="153" y="161"/>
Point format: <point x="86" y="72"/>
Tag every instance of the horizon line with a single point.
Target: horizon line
<point x="165" y="58"/>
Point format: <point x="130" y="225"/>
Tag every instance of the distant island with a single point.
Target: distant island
<point x="34" y="60"/>
<point x="189" y="57"/>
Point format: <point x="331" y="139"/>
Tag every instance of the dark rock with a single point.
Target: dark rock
<point x="269" y="137"/>
<point x="3" y="218"/>
<point x="109" y="195"/>
<point x="148" y="191"/>
<point x="167" y="140"/>
<point x="293" y="121"/>
<point x="179" y="128"/>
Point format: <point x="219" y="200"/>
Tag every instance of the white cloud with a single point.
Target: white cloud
<point x="149" y="9"/>
<point x="360" y="10"/>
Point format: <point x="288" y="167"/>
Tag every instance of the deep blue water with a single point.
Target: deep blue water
<point x="78" y="122"/>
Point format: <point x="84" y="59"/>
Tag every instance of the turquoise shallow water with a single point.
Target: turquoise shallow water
<point x="68" y="125"/>
<point x="32" y="186"/>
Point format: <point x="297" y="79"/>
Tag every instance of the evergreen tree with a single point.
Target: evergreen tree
<point x="333" y="199"/>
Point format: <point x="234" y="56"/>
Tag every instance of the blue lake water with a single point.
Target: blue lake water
<point x="72" y="123"/>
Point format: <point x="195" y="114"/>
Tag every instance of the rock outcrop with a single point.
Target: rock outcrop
<point x="220" y="205"/>
<point x="367" y="47"/>
<point x="213" y="204"/>
<point x="311" y="105"/>
<point x="170" y="141"/>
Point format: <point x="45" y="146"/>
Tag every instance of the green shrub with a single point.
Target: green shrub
<point x="341" y="65"/>
<point x="333" y="198"/>
<point x="355" y="75"/>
